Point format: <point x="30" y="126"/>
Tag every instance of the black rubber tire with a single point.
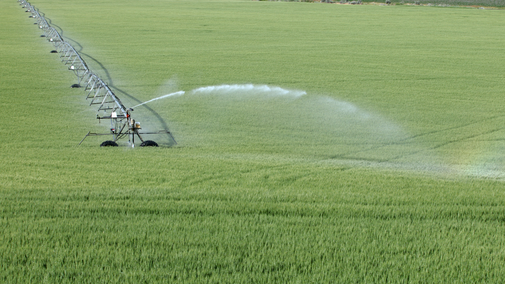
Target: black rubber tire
<point x="108" y="143"/>
<point x="149" y="143"/>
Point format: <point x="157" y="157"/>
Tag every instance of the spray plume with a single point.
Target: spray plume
<point x="179" y="93"/>
<point x="249" y="88"/>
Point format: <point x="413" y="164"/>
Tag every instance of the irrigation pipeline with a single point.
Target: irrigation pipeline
<point x="97" y="90"/>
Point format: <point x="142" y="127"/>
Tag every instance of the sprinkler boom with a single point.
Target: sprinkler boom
<point x="122" y="123"/>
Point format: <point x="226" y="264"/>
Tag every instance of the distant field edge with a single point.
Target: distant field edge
<point x="488" y="4"/>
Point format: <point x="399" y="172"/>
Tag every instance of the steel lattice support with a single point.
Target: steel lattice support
<point x="122" y="124"/>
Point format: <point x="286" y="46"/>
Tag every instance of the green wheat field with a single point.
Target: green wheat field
<point x="316" y="143"/>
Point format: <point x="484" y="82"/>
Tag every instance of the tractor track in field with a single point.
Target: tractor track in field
<point x="413" y="137"/>
<point x="352" y="158"/>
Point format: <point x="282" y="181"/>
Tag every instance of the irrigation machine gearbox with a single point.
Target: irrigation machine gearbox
<point x="122" y="126"/>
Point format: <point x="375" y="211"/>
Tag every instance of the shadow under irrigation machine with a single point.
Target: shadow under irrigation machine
<point x="122" y="123"/>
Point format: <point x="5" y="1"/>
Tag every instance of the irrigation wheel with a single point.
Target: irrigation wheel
<point x="108" y="143"/>
<point x="149" y="143"/>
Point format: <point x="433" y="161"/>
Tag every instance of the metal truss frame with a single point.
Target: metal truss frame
<point x="97" y="91"/>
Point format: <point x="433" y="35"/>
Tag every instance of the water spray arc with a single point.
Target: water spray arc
<point x="180" y="93"/>
<point x="121" y="120"/>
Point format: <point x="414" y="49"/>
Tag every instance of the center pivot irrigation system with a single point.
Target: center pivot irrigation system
<point x="122" y="123"/>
